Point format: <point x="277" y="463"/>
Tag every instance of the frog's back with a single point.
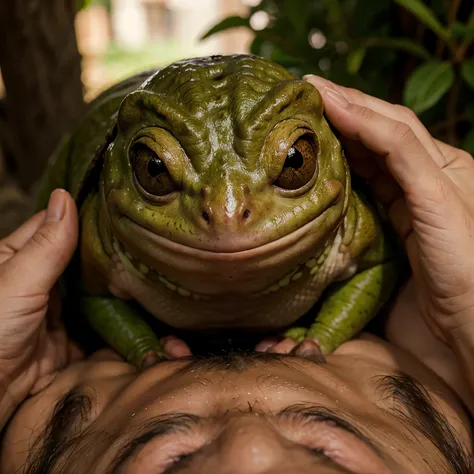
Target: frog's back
<point x="75" y="157"/>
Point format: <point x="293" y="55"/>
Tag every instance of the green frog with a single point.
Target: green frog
<point x="214" y="194"/>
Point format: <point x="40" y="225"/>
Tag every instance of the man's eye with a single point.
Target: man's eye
<point x="178" y="462"/>
<point x="163" y="453"/>
<point x="334" y="439"/>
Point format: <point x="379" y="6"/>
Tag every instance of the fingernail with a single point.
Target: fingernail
<point x="307" y="76"/>
<point x="56" y="205"/>
<point x="150" y="359"/>
<point x="335" y="97"/>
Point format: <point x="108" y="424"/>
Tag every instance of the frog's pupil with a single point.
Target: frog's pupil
<point x="294" y="159"/>
<point x="155" y="167"/>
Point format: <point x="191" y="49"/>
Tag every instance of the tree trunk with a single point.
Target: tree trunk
<point x="41" y="69"/>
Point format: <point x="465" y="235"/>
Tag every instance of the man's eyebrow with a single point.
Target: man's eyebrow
<point x="324" y="414"/>
<point x="166" y="424"/>
<point x="413" y="404"/>
<point x="154" y="428"/>
<point x="62" y="432"/>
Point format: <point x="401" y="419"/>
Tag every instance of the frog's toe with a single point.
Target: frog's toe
<point x="150" y="358"/>
<point x="265" y="344"/>
<point x="285" y="346"/>
<point x="309" y="349"/>
<point x="175" y="347"/>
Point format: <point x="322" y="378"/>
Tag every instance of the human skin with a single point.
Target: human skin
<point x="241" y="431"/>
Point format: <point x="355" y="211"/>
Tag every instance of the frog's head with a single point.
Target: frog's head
<point x="224" y="175"/>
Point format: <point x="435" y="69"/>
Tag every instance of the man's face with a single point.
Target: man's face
<point x="254" y="414"/>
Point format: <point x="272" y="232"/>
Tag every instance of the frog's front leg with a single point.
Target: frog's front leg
<point x="116" y="321"/>
<point x="123" y="329"/>
<point x="349" y="306"/>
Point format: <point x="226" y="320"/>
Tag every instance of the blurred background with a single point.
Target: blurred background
<point x="57" y="55"/>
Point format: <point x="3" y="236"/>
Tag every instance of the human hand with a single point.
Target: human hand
<point x="426" y="187"/>
<point x="33" y="342"/>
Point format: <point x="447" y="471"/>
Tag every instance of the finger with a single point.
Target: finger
<point x="41" y="260"/>
<point x="405" y="156"/>
<point x="267" y="343"/>
<point x="395" y="112"/>
<point x="175" y="347"/>
<point x="17" y="239"/>
<point x="283" y="347"/>
<point x="453" y="154"/>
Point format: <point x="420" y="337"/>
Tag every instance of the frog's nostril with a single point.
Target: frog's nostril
<point x="205" y="216"/>
<point x="246" y="213"/>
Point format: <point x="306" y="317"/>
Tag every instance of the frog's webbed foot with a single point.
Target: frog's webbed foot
<point x="307" y="348"/>
<point x="123" y="329"/>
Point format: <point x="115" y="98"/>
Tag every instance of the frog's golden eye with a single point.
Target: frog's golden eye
<point x="151" y="172"/>
<point x="300" y="164"/>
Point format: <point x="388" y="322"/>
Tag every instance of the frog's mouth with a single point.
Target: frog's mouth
<point x="200" y="274"/>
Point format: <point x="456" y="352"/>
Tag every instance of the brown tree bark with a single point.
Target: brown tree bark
<point x="41" y="69"/>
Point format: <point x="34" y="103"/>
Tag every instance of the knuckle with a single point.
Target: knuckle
<point x="404" y="134"/>
<point x="362" y="111"/>
<point x="353" y="95"/>
<point x="406" y="112"/>
<point x="45" y="238"/>
<point x="465" y="156"/>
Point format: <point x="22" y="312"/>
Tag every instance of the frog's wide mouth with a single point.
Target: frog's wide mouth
<point x="201" y="271"/>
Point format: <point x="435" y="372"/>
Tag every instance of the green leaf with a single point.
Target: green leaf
<point x="355" y="59"/>
<point x="285" y="59"/>
<point x="468" y="142"/>
<point x="469" y="37"/>
<point x="426" y="16"/>
<point x="427" y="84"/>
<point x="460" y="30"/>
<point x="467" y="72"/>
<point x="295" y="11"/>
<point x="226" y="24"/>
<point x="334" y="13"/>
<point x="400" y="43"/>
<point x="470" y="113"/>
<point x="82" y="4"/>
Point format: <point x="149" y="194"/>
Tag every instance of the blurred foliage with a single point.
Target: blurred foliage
<point x="120" y="63"/>
<point x="82" y="4"/>
<point x="405" y="51"/>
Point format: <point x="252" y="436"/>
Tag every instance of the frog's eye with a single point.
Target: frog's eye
<point x="151" y="172"/>
<point x="300" y="164"/>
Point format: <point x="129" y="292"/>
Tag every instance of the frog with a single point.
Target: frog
<point x="214" y="195"/>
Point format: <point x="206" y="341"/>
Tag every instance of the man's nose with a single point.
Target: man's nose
<point x="251" y="445"/>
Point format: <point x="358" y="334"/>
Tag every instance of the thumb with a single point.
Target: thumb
<point x="36" y="267"/>
<point x="394" y="141"/>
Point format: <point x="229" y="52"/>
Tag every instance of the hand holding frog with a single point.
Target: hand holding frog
<point x="33" y="342"/>
<point x="426" y="187"/>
